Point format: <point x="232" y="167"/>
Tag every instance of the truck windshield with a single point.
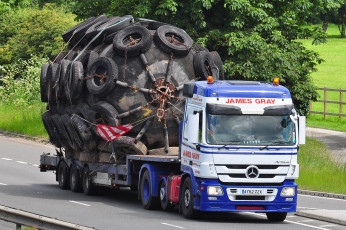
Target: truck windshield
<point x="250" y="130"/>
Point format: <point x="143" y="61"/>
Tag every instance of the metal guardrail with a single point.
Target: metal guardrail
<point x="326" y="102"/>
<point x="20" y="218"/>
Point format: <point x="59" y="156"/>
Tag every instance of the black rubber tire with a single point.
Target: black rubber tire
<point x="51" y="82"/>
<point x="203" y="63"/>
<point x="187" y="200"/>
<point x="152" y="25"/>
<point x="148" y="201"/>
<point x="164" y="202"/>
<point x="198" y="47"/>
<point x="74" y="82"/>
<point x="123" y="38"/>
<point x="59" y="137"/>
<point x="179" y="49"/>
<point x="92" y="31"/>
<point x="93" y="56"/>
<point x="62" y="70"/>
<point x="75" y="143"/>
<point x="276" y="216"/>
<point x="67" y="34"/>
<point x="88" y="186"/>
<point x="80" y="31"/>
<point x="102" y="65"/>
<point x="84" y="133"/>
<point x="43" y="82"/>
<point x="66" y="141"/>
<point x="75" y="179"/>
<point x="105" y="114"/>
<point x="63" y="176"/>
<point x="48" y="125"/>
<point x="218" y="63"/>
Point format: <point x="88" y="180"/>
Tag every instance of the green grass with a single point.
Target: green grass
<point x="24" y="120"/>
<point x="318" y="171"/>
<point x="330" y="74"/>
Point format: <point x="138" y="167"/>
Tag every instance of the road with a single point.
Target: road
<point x="22" y="186"/>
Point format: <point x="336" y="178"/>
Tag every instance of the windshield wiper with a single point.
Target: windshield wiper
<point x="273" y="143"/>
<point x="229" y="143"/>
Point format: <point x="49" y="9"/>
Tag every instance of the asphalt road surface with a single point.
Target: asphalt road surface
<point x="23" y="186"/>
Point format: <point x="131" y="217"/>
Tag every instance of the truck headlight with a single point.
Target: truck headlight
<point x="215" y="191"/>
<point x="288" y="191"/>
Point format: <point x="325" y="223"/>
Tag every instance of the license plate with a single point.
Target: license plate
<point x="252" y="191"/>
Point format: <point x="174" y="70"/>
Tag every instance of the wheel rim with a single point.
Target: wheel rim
<point x="187" y="197"/>
<point x="163" y="193"/>
<point x="146" y="190"/>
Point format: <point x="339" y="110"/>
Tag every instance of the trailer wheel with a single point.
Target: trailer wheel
<point x="164" y="202"/>
<point x="187" y="201"/>
<point x="88" y="186"/>
<point x="148" y="201"/>
<point x="276" y="216"/>
<point x="63" y="176"/>
<point x="75" y="179"/>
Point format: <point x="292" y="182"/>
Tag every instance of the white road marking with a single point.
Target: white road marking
<point x="322" y="197"/>
<point x="79" y="203"/>
<point x="2" y="184"/>
<point x="293" y="222"/>
<point x="327" y="225"/>
<point x="309" y="220"/>
<point x="35" y="165"/>
<point x="6" y="159"/>
<point x="306" y="207"/>
<point x="171" y="225"/>
<point x="22" y="162"/>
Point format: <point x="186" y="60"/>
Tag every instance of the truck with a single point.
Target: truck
<point x="238" y="145"/>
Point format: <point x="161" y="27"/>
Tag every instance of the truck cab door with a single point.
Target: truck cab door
<point x="192" y="128"/>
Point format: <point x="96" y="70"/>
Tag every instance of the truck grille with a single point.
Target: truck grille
<point x="240" y="173"/>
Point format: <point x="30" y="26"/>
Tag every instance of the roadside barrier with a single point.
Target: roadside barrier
<point x="22" y="218"/>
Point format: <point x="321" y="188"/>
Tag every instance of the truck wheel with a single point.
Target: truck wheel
<point x="88" y="186"/>
<point x="75" y="179"/>
<point x="276" y="216"/>
<point x="164" y="202"/>
<point x="187" y="202"/>
<point x="148" y="201"/>
<point x="63" y="176"/>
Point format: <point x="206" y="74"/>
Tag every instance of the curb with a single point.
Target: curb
<point x="322" y="194"/>
<point x="320" y="215"/>
<point x="14" y="134"/>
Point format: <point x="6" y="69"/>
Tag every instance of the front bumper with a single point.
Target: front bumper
<point x="238" y="202"/>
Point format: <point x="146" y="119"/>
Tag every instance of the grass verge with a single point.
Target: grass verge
<point x="318" y="172"/>
<point x="330" y="74"/>
<point x="24" y="120"/>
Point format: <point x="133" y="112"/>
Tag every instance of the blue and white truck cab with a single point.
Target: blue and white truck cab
<point x="239" y="143"/>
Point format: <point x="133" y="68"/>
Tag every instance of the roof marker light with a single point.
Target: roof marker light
<point x="210" y="80"/>
<point x="276" y="81"/>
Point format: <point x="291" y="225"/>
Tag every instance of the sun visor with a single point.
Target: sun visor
<point x="223" y="109"/>
<point x="278" y="110"/>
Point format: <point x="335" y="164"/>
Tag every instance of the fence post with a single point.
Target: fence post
<point x="325" y="102"/>
<point x="340" y="110"/>
<point x="310" y="108"/>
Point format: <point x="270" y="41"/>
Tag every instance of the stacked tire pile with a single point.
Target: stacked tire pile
<point x="118" y="71"/>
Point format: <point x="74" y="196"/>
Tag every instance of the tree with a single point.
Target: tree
<point x="342" y="19"/>
<point x="29" y="31"/>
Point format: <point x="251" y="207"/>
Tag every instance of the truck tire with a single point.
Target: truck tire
<point x="75" y="179"/>
<point x="106" y="68"/>
<point x="62" y="70"/>
<point x="164" y="39"/>
<point x="104" y="113"/>
<point x="70" y="132"/>
<point x="74" y="81"/>
<point x="63" y="176"/>
<point x="88" y="186"/>
<point x="123" y="39"/>
<point x="164" y="202"/>
<point x="84" y="133"/>
<point x="218" y="63"/>
<point x="148" y="201"/>
<point x="187" y="200"/>
<point x="203" y="65"/>
<point x="51" y="81"/>
<point x="43" y="79"/>
<point x="68" y="34"/>
<point x="276" y="216"/>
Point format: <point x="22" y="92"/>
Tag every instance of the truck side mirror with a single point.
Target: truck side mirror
<point x="301" y="129"/>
